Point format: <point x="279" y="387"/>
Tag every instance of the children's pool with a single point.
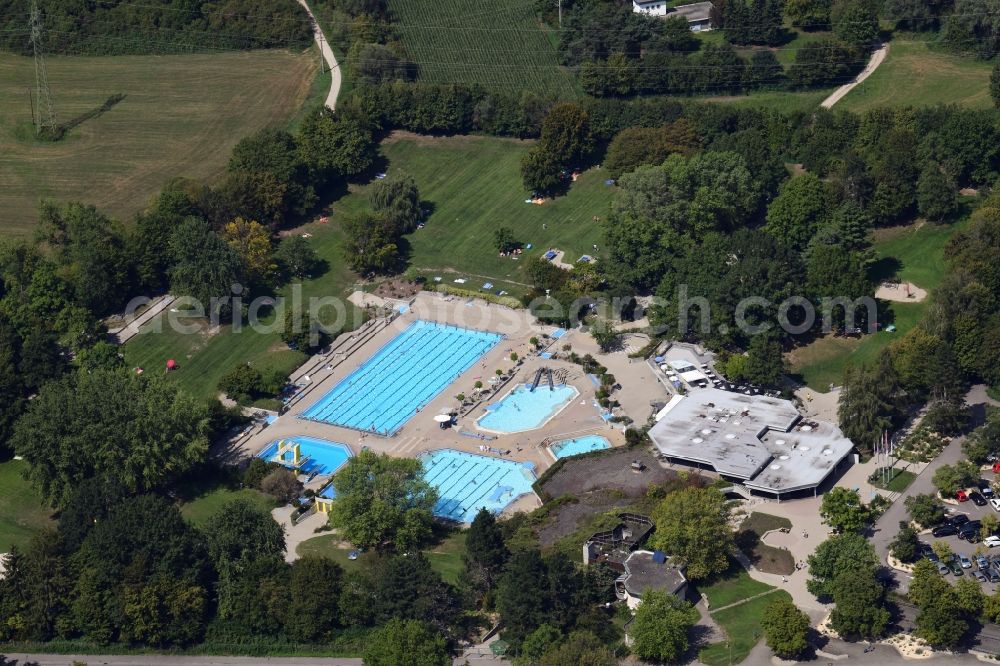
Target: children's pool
<point x="565" y="448"/>
<point x="407" y="373"/>
<point x="467" y="482"/>
<point x="523" y="409"/>
<point x="307" y="454"/>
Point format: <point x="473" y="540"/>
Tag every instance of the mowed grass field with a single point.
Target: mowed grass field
<point x="181" y="116"/>
<point x="915" y="75"/>
<point x="22" y="513"/>
<point x="912" y="253"/>
<point x="205" y="354"/>
<point x="499" y="44"/>
<point x="472" y="185"/>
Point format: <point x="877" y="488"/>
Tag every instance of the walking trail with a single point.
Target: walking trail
<point x="877" y="57"/>
<point x="331" y="61"/>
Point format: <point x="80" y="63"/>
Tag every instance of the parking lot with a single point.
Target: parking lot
<point x="962" y="547"/>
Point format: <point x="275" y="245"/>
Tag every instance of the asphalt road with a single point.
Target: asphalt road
<point x="988" y="638"/>
<point x="167" y="660"/>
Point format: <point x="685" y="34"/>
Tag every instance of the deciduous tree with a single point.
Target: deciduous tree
<point x="693" y="524"/>
<point x="406" y="642"/>
<point x="381" y="501"/>
<point x="661" y="626"/>
<point x="785" y="628"/>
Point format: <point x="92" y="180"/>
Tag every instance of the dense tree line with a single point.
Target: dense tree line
<point x="120" y="27"/>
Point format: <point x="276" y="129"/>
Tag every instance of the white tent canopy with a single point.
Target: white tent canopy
<point x="693" y="376"/>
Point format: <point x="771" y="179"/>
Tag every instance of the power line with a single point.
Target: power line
<point x="45" y="118"/>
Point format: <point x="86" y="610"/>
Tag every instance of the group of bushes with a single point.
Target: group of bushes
<point x="170" y="26"/>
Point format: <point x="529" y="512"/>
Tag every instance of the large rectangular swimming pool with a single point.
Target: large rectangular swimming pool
<point x="402" y="377"/>
<point x="467" y="482"/>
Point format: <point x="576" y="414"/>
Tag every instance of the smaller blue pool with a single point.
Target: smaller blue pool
<point x="523" y="409"/>
<point x="573" y="447"/>
<point x="307" y="455"/>
<point x="467" y="482"/>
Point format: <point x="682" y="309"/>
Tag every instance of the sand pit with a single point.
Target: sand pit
<point x="903" y="292"/>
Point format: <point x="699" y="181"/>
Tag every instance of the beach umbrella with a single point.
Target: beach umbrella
<point x="171" y="364"/>
<point x="443" y="418"/>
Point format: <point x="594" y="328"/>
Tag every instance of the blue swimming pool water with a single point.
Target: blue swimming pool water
<point x="467" y="482"/>
<point x="407" y="373"/>
<point x="523" y="409"/>
<point x="574" y="447"/>
<point x="318" y="456"/>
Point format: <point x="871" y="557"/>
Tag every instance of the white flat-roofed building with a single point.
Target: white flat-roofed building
<point x="759" y="441"/>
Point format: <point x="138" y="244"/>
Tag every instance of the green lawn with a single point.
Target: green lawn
<point x="775" y="100"/>
<point x="915" y="75"/>
<point x="898" y="482"/>
<point x="326" y="545"/>
<point x="733" y="585"/>
<point x="202" y="496"/>
<point x="498" y="44"/>
<point x="822" y="362"/>
<point x="445" y="557"/>
<point x="915" y="252"/>
<point x="181" y="116"/>
<point x="764" y="522"/>
<point x="742" y="626"/>
<point x="22" y="513"/>
<point x="911" y="253"/>
<point x="473" y="185"/>
<point x="204" y="356"/>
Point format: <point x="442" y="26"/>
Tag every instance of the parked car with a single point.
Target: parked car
<point x="980" y="576"/>
<point x="970" y="532"/>
<point x="944" y="530"/>
<point x="996" y="564"/>
<point x="977" y="499"/>
<point x="944" y="569"/>
<point x="958" y="519"/>
<point x="955" y="565"/>
<point x="982" y="562"/>
<point x="991" y="541"/>
<point x="985" y="488"/>
<point x="931" y="557"/>
<point x="996" y="467"/>
<point x="962" y="496"/>
<point x="993" y="576"/>
<point x="965" y="561"/>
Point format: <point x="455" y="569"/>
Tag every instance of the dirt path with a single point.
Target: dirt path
<point x="126" y="332"/>
<point x="877" y="57"/>
<point x="331" y="61"/>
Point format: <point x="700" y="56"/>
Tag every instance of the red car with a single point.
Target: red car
<point x="962" y="496"/>
<point x="996" y="468"/>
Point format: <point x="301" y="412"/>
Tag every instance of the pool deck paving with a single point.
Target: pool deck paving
<point x="421" y="433"/>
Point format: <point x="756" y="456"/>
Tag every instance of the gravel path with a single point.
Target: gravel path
<point x="877" y="57"/>
<point x="331" y="60"/>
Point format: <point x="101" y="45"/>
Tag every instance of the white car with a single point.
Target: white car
<point x="991" y="541"/>
<point x="995" y="503"/>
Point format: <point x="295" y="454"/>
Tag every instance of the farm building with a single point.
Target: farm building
<point x="697" y="14"/>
